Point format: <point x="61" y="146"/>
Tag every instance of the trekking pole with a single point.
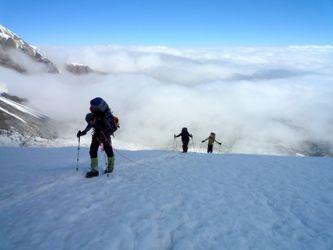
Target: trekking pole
<point x="106" y="163"/>
<point x="200" y="147"/>
<point x="221" y="148"/>
<point x="193" y="144"/>
<point x="78" y="155"/>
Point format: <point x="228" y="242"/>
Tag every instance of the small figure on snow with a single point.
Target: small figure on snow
<point x="185" y="135"/>
<point x="104" y="125"/>
<point x="211" y="139"/>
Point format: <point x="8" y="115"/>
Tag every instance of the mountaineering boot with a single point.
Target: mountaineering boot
<point x="94" y="168"/>
<point x="109" y="168"/>
<point x="92" y="173"/>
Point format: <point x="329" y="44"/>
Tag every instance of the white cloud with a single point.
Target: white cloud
<point x="257" y="100"/>
<point x="3" y="88"/>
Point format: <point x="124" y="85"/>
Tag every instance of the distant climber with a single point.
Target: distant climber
<point x="104" y="125"/>
<point x="185" y="135"/>
<point x="211" y="139"/>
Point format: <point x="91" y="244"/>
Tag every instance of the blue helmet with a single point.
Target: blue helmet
<point x="98" y="105"/>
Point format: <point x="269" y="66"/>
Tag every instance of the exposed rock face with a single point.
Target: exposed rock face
<point x="79" y="69"/>
<point x="11" y="44"/>
<point x="5" y="61"/>
<point x="14" y="98"/>
<point x="17" y="117"/>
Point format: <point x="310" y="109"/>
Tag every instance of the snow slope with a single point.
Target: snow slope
<point x="164" y="200"/>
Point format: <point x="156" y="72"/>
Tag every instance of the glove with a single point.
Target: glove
<point x="202" y="141"/>
<point x="220" y="143"/>
<point x="81" y="133"/>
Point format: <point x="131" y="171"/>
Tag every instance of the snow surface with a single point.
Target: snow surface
<point x="5" y="30"/>
<point x="13" y="138"/>
<point x="164" y="200"/>
<point x="76" y="64"/>
<point x="4" y="36"/>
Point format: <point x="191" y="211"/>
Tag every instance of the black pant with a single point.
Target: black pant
<point x="185" y="147"/>
<point x="210" y="149"/>
<point x="98" y="139"/>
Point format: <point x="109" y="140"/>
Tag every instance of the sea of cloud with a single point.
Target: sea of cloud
<point x="275" y="100"/>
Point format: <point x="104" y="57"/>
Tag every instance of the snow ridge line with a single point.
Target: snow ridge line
<point x="22" y="108"/>
<point x="13" y="115"/>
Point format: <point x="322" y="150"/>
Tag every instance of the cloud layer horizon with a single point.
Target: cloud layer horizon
<point x="274" y="100"/>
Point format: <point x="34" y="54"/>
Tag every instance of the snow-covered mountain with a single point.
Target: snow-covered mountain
<point x="17" y="118"/>
<point x="13" y="48"/>
<point x="164" y="200"/>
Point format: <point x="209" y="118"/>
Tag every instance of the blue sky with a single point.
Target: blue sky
<point x="174" y="23"/>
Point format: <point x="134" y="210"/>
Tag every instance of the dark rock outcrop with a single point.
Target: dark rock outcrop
<point x="17" y="117"/>
<point x="78" y="69"/>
